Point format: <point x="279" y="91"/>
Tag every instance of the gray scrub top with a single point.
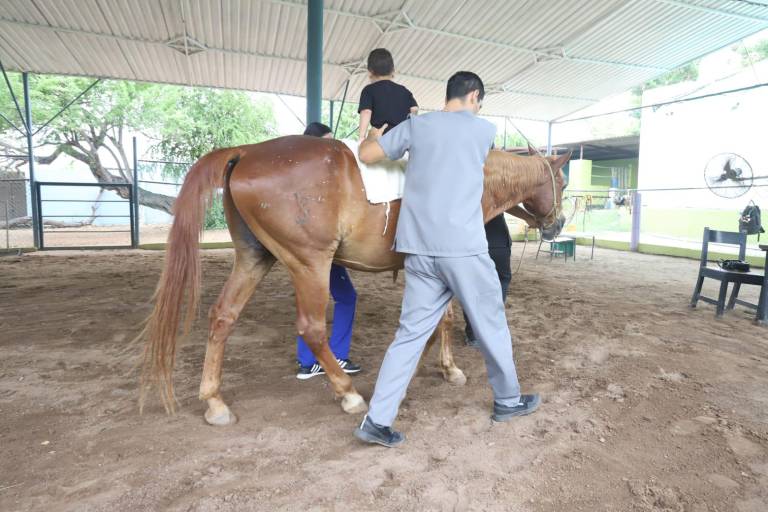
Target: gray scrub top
<point x="441" y="212"/>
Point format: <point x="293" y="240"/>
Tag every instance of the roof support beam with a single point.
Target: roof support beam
<point x="538" y="54"/>
<point x="714" y="10"/>
<point x="351" y="68"/>
<point x="153" y="42"/>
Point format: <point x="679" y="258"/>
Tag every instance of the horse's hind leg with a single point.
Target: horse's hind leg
<point x="251" y="265"/>
<point x="451" y="373"/>
<point x="311" y="301"/>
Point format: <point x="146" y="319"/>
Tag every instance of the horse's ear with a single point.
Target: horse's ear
<point x="560" y="161"/>
<point x="531" y="150"/>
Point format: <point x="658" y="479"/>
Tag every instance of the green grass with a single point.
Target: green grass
<point x="664" y="250"/>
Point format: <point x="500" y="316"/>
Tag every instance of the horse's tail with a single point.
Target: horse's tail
<point x="180" y="279"/>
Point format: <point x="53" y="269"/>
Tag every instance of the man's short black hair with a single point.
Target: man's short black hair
<point x="380" y="62"/>
<point x="317" y="129"/>
<point x="463" y="83"/>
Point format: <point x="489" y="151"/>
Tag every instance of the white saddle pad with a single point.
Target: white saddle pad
<point x="384" y="181"/>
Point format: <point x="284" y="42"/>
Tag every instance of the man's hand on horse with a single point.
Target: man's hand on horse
<point x="370" y="150"/>
<point x="375" y="133"/>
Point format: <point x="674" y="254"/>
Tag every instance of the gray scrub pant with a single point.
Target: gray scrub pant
<point x="430" y="284"/>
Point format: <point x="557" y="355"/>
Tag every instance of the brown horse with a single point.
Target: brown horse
<point x="300" y="200"/>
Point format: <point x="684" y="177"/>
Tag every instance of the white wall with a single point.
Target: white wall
<point x="677" y="141"/>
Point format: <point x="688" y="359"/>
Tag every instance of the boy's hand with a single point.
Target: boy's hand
<point x="376" y="133"/>
<point x="370" y="150"/>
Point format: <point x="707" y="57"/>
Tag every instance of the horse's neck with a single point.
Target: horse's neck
<point x="509" y="181"/>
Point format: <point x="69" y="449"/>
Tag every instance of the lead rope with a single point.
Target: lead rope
<point x="522" y="254"/>
<point x="386" y="220"/>
<point x="554" y="192"/>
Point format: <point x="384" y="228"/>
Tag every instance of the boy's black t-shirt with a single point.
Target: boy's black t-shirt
<point x="388" y="102"/>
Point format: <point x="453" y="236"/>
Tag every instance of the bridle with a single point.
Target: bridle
<point x="555" y="203"/>
<point x="553" y="212"/>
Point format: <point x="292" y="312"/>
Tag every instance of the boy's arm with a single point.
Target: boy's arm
<point x="365" y="109"/>
<point x="414" y="107"/>
<point x="393" y="145"/>
<point x="365" y="121"/>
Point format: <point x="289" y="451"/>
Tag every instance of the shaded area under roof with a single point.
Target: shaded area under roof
<point x="615" y="148"/>
<point x="540" y="60"/>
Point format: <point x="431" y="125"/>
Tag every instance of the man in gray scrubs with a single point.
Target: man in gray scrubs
<point x="440" y="230"/>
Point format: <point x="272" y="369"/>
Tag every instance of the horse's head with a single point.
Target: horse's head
<point x="546" y="203"/>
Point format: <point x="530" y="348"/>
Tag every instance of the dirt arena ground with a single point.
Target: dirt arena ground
<point x="648" y="406"/>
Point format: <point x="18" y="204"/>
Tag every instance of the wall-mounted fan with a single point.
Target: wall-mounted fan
<point x="729" y="175"/>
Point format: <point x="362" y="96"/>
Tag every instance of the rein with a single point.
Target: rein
<point x="552" y="210"/>
<point x="554" y="191"/>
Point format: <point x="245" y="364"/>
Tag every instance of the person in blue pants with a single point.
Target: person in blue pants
<point x="345" y="301"/>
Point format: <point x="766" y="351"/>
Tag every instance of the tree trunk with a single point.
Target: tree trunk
<point x="90" y="157"/>
<point x="26" y="222"/>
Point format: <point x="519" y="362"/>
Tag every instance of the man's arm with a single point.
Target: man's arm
<point x="393" y="145"/>
<point x="370" y="150"/>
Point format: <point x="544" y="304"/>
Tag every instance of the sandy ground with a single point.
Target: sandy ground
<point x="648" y="406"/>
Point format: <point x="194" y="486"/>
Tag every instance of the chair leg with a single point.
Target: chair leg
<point x="734" y="295"/>
<point x="539" y="249"/>
<point x="762" y="304"/>
<point x="697" y="291"/>
<point x="721" y="298"/>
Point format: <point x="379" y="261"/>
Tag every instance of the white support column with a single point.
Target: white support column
<point x="634" y="241"/>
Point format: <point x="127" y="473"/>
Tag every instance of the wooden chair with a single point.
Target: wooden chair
<point x="725" y="277"/>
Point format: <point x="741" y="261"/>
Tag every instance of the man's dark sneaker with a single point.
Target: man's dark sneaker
<point x="528" y="404"/>
<point x="470" y="341"/>
<point x="307" y="372"/>
<point x="348" y="366"/>
<point x="370" y="432"/>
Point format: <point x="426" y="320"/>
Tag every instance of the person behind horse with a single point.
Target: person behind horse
<point x="440" y="231"/>
<point x="345" y="301"/>
<point x="383" y="102"/>
<point x="500" y="251"/>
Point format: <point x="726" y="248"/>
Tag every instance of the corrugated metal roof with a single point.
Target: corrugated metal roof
<point x="539" y="60"/>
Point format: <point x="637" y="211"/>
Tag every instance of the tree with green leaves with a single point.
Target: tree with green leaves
<point x="513" y="139"/>
<point x="345" y="125"/>
<point x="754" y="53"/>
<point x="184" y="122"/>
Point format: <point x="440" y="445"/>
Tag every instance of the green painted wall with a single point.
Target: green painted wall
<point x="690" y="222"/>
<point x="586" y="174"/>
<point x="630" y="163"/>
<point x="580" y="176"/>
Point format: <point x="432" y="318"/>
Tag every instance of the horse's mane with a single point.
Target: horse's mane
<point x="507" y="173"/>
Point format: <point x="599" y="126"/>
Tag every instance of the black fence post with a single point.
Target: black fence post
<point x="131" y="199"/>
<point x="37" y="220"/>
<point x="135" y="198"/>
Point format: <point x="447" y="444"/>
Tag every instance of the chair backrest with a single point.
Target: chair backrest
<point x="726" y="238"/>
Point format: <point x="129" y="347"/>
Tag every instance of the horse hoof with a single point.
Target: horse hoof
<point x="353" y="404"/>
<point x="456" y="377"/>
<point x="220" y="419"/>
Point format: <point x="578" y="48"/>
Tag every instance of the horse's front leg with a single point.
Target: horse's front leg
<point x="451" y="373"/>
